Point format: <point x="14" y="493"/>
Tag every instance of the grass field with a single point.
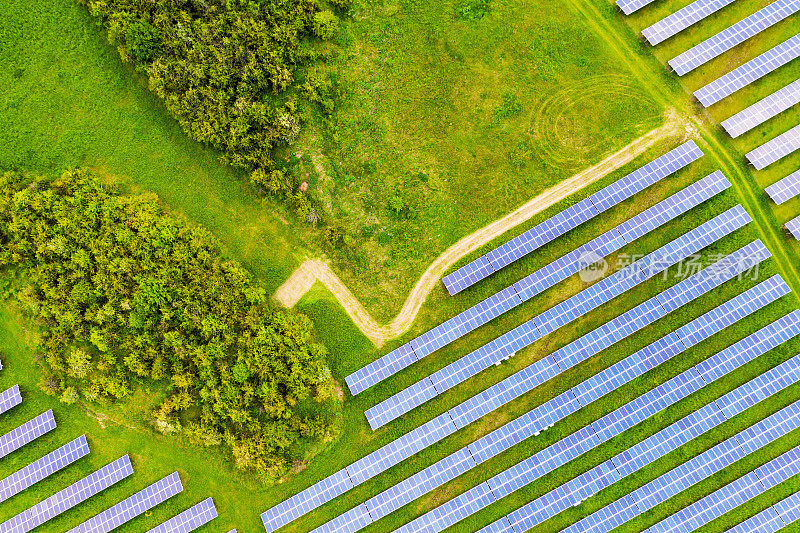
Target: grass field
<point x="75" y="104"/>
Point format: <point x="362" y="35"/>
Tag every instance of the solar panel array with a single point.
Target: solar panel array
<point x="405" y="400"/>
<point x="794" y="227"/>
<point x="734" y="35"/>
<point x="189" y="520"/>
<point x="44" y="467"/>
<point x="571" y="217"/>
<point x="763" y="110"/>
<point x="545" y="277"/>
<point x="535" y="420"/>
<point x="682" y="19"/>
<point x="661" y="443"/>
<point x="630" y="6"/>
<point x="732" y="495"/>
<point x="69" y="497"/>
<point x="556" y="317"/>
<point x="785" y="189"/>
<point x="132" y="506"/>
<point x="27" y="432"/>
<point x="691" y="472"/>
<point x="773" y="518"/>
<point x="776" y="149"/>
<point x="527" y="379"/>
<point x="10" y="398"/>
<point x="606" y="428"/>
<point x="749" y="72"/>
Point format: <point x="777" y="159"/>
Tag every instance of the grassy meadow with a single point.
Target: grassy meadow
<point x="462" y="120"/>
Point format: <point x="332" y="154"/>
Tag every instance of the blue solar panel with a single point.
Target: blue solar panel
<point x="572" y="217"/>
<point x="27" y="432"/>
<point x="44" y="467"/>
<point x="776" y="149"/>
<point x="545" y="277"/>
<point x="508" y="344"/>
<point x="763" y="110"/>
<point x="189" y="520"/>
<point x="789" y="508"/>
<point x="682" y="19"/>
<point x="567" y="495"/>
<point x="132" y="507"/>
<point x="734" y="35"/>
<point x="767" y="521"/>
<point x="537" y="373"/>
<point x="10" y="398"/>
<point x="732" y="495"/>
<point x="349" y="522"/>
<point x="69" y="497"/>
<point x="794" y="227"/>
<point x="760" y="388"/>
<point x="630" y="6"/>
<point x="749" y="348"/>
<point x="785" y="189"/>
<point x="749" y="72"/>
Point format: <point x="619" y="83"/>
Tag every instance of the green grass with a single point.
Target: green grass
<point x="463" y="121"/>
<point x="433" y="77"/>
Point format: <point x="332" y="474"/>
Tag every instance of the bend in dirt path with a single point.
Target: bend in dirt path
<point x="314" y="270"/>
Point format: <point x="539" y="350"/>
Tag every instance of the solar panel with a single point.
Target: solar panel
<point x="763" y="110"/>
<point x="10" y="398"/>
<point x="767" y="521"/>
<point x="539" y="281"/>
<point x="785" y="189"/>
<point x="682" y="19"/>
<point x="794" y="227"/>
<point x="524" y="381"/>
<point x="44" y="467"/>
<point x="776" y="149"/>
<point x="189" y="520"/>
<point x="630" y="6"/>
<point x="27" y="432"/>
<point x="749" y="348"/>
<point x="734" y="35"/>
<point x="556" y="409"/>
<point x="554" y="318"/>
<point x="69" y="497"/>
<point x="732" y="495"/>
<point x="133" y="506"/>
<point x="789" y="508"/>
<point x="749" y="72"/>
<point x="572" y="217"/>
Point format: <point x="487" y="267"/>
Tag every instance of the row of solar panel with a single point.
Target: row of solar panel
<point x="81" y="490"/>
<point x="604" y="429"/>
<point x="776" y="149"/>
<point x="691" y="472"/>
<point x="656" y="446"/>
<point x="556" y="317"/>
<point x="773" y="518"/>
<point x="785" y="189"/>
<point x="492" y="307"/>
<point x="571" y="217"/>
<point x="733" y="35"/>
<point x="531" y="423"/>
<point x="537" y="373"/>
<point x="444" y="379"/>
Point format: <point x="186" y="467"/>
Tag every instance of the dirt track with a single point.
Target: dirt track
<point x="312" y="270"/>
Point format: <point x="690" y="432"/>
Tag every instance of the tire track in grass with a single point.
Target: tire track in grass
<point x="743" y="182"/>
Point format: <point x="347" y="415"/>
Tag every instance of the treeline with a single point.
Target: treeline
<point x="122" y="293"/>
<point x="232" y="72"/>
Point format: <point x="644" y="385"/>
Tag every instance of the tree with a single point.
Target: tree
<point x="326" y="25"/>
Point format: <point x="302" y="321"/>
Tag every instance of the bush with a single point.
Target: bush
<point x="124" y="292"/>
<point x="473" y="9"/>
<point x="143" y="41"/>
<point x="325" y="25"/>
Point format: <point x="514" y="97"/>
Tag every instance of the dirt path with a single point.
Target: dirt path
<point x="312" y="270"/>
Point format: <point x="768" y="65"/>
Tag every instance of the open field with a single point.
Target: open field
<point x="52" y="118"/>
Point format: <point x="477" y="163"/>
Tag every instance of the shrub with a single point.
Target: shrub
<point x="143" y="41"/>
<point x="325" y="25"/>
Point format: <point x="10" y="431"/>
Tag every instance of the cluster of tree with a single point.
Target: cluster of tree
<point x="230" y="71"/>
<point x="124" y="293"/>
